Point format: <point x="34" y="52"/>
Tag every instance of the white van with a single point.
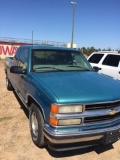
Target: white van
<point x="106" y="62"/>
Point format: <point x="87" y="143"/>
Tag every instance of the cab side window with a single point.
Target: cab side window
<point x="95" y="58"/>
<point x="23" y="60"/>
<point x="16" y="57"/>
<point x="111" y="60"/>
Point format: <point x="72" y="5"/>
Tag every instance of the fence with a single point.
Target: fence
<point x="8" y="46"/>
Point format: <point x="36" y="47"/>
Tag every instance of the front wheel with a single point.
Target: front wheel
<point x="36" y="125"/>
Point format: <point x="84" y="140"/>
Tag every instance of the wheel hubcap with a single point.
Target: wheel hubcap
<point x="34" y="124"/>
<point x="6" y="81"/>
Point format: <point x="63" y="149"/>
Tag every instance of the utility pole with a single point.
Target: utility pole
<point x="73" y="14"/>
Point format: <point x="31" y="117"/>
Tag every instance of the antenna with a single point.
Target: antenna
<point x="32" y="37"/>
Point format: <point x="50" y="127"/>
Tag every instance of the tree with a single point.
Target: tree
<point x="87" y="51"/>
<point x="84" y="50"/>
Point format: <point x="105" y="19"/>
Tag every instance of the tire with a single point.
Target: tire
<point x="36" y="125"/>
<point x="8" y="84"/>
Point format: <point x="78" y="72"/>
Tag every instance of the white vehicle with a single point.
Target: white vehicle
<point x="106" y="62"/>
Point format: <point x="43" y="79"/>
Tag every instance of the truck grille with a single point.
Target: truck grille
<point x="101" y="106"/>
<point x="101" y="118"/>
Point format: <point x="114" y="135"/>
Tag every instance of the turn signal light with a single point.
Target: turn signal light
<point x="54" y="109"/>
<point x="53" y="121"/>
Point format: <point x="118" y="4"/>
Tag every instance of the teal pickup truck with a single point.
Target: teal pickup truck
<point x="70" y="105"/>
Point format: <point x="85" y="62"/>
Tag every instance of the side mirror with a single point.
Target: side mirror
<point x="17" y="70"/>
<point x="96" y="69"/>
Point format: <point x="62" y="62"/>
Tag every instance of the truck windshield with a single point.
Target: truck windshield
<point x="58" y="60"/>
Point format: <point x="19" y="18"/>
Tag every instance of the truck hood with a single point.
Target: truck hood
<point x="79" y="87"/>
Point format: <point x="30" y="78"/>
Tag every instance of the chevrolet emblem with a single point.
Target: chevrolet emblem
<point x="112" y="111"/>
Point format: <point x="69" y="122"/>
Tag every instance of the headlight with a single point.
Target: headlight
<point x="66" y="109"/>
<point x="64" y="122"/>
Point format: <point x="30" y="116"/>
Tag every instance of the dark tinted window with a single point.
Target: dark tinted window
<point x="112" y="60"/>
<point x="95" y="58"/>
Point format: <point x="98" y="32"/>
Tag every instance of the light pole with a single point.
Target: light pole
<point x="73" y="14"/>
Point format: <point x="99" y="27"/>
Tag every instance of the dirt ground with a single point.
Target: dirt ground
<point x="16" y="142"/>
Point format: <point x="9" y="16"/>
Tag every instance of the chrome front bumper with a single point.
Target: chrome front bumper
<point x="57" y="138"/>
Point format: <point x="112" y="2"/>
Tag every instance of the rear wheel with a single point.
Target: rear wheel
<point x="36" y="125"/>
<point x="8" y="84"/>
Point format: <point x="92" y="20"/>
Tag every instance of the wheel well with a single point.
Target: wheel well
<point x="31" y="100"/>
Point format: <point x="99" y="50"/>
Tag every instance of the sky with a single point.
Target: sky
<point x="96" y="22"/>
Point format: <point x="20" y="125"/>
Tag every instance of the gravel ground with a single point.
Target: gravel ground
<point x="16" y="142"/>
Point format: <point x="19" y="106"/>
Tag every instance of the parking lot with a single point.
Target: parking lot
<point x="16" y="142"/>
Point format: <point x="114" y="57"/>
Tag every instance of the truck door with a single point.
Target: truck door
<point x="118" y="75"/>
<point x="21" y="80"/>
<point x="110" y="66"/>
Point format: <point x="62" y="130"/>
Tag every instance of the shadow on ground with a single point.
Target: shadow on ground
<point x="98" y="149"/>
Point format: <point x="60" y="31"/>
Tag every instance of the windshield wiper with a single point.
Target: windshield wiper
<point x="49" y="68"/>
<point x="85" y="69"/>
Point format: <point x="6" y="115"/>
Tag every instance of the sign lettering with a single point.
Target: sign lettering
<point x="8" y="50"/>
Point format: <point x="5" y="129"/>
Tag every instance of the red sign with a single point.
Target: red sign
<point x="8" y="50"/>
